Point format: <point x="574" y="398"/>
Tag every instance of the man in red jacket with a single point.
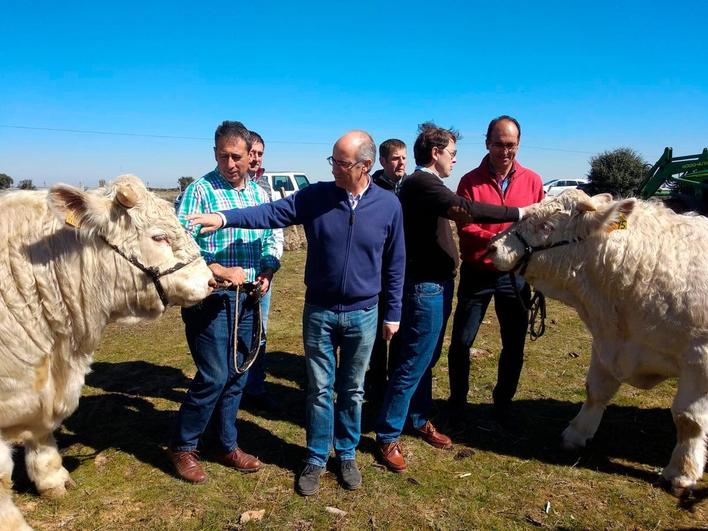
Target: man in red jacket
<point x="500" y="180"/>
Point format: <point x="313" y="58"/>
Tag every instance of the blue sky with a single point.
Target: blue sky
<point x="580" y="77"/>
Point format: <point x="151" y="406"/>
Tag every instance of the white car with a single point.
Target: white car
<point x="285" y="183"/>
<point x="556" y="186"/>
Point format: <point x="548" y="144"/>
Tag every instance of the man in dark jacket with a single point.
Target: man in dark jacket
<point x="354" y="233"/>
<point x="431" y="263"/>
<point x="392" y="156"/>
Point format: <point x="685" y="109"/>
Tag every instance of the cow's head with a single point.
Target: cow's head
<point x="569" y="217"/>
<point x="144" y="229"/>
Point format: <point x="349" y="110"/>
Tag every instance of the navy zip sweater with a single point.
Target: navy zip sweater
<point x="350" y="253"/>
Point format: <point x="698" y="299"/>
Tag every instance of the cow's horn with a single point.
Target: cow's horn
<point x="126" y="196"/>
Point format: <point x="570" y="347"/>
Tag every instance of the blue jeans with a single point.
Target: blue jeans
<point x="256" y="374"/>
<point x="328" y="422"/>
<point x="216" y="389"/>
<point x="426" y="308"/>
<point x="473" y="296"/>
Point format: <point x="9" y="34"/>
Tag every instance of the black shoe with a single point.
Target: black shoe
<point x="308" y="482"/>
<point x="349" y="474"/>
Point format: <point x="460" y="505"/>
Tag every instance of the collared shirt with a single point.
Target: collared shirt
<point x="261" y="180"/>
<point x="428" y="170"/>
<point x="503" y="180"/>
<point x="252" y="249"/>
<point x="354" y="199"/>
<point x="395" y="185"/>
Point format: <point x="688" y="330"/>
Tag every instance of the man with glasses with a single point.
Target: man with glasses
<point x="500" y="180"/>
<point x="431" y="263"/>
<point x="355" y="250"/>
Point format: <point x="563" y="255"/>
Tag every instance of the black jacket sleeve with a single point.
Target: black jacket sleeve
<point x="431" y="193"/>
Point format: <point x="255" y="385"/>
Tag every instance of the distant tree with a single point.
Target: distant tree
<point x="184" y="182"/>
<point x="26" y="184"/>
<point x="618" y="172"/>
<point x="5" y="181"/>
<point x="101" y="183"/>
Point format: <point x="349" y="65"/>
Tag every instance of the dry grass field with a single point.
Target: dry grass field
<point x="492" y="479"/>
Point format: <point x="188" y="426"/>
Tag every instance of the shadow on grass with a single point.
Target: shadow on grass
<point x="124" y="419"/>
<point x="145" y="379"/>
<point x="286" y="366"/>
<point x="139" y="378"/>
<point x="639" y="435"/>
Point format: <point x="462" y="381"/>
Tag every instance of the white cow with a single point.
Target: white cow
<point x="637" y="273"/>
<point x="70" y="263"/>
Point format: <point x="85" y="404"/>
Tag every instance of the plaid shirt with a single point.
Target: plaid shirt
<point x="252" y="249"/>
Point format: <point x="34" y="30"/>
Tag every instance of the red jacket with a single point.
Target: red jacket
<point x="525" y="188"/>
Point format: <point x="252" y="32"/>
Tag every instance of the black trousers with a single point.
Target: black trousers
<point x="474" y="293"/>
<point x="383" y="359"/>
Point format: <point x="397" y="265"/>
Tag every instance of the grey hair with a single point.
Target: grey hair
<point x="367" y="148"/>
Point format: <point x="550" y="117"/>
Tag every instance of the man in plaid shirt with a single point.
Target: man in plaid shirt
<point x="241" y="257"/>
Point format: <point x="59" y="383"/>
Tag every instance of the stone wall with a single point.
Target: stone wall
<point x="295" y="238"/>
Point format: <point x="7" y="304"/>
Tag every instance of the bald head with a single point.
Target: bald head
<point x="352" y="157"/>
<point x="503" y="136"/>
<point x="360" y="144"/>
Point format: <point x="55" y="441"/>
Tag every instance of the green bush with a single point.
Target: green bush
<point x="26" y="184"/>
<point x="5" y="181"/>
<point x="617" y="172"/>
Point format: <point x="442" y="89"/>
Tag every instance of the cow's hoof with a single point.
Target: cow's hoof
<point x="679" y="486"/>
<point x="59" y="491"/>
<point x="572" y="441"/>
<point x="54" y="493"/>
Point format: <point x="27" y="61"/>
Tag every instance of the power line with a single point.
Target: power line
<point x="176" y="137"/>
<point x="91" y="132"/>
<point x="526" y="146"/>
<point x="142" y="135"/>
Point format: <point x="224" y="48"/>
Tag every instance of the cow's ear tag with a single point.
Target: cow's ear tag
<point x="620" y="224"/>
<point x="72" y="219"/>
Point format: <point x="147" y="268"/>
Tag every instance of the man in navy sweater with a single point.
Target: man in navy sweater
<point x="355" y="250"/>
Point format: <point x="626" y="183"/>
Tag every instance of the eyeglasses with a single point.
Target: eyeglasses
<point x="452" y="154"/>
<point x="511" y="146"/>
<point x="344" y="164"/>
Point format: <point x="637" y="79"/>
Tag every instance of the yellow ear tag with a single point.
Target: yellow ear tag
<point x="620" y="224"/>
<point x="71" y="219"/>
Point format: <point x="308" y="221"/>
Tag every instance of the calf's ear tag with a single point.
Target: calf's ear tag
<point x="72" y="219"/>
<point x="620" y="224"/>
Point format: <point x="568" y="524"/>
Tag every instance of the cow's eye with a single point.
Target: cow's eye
<point x="160" y="238"/>
<point x="547" y="228"/>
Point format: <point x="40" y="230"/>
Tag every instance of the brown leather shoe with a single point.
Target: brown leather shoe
<point x="241" y="461"/>
<point x="392" y="456"/>
<point x="187" y="466"/>
<point x="433" y="437"/>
